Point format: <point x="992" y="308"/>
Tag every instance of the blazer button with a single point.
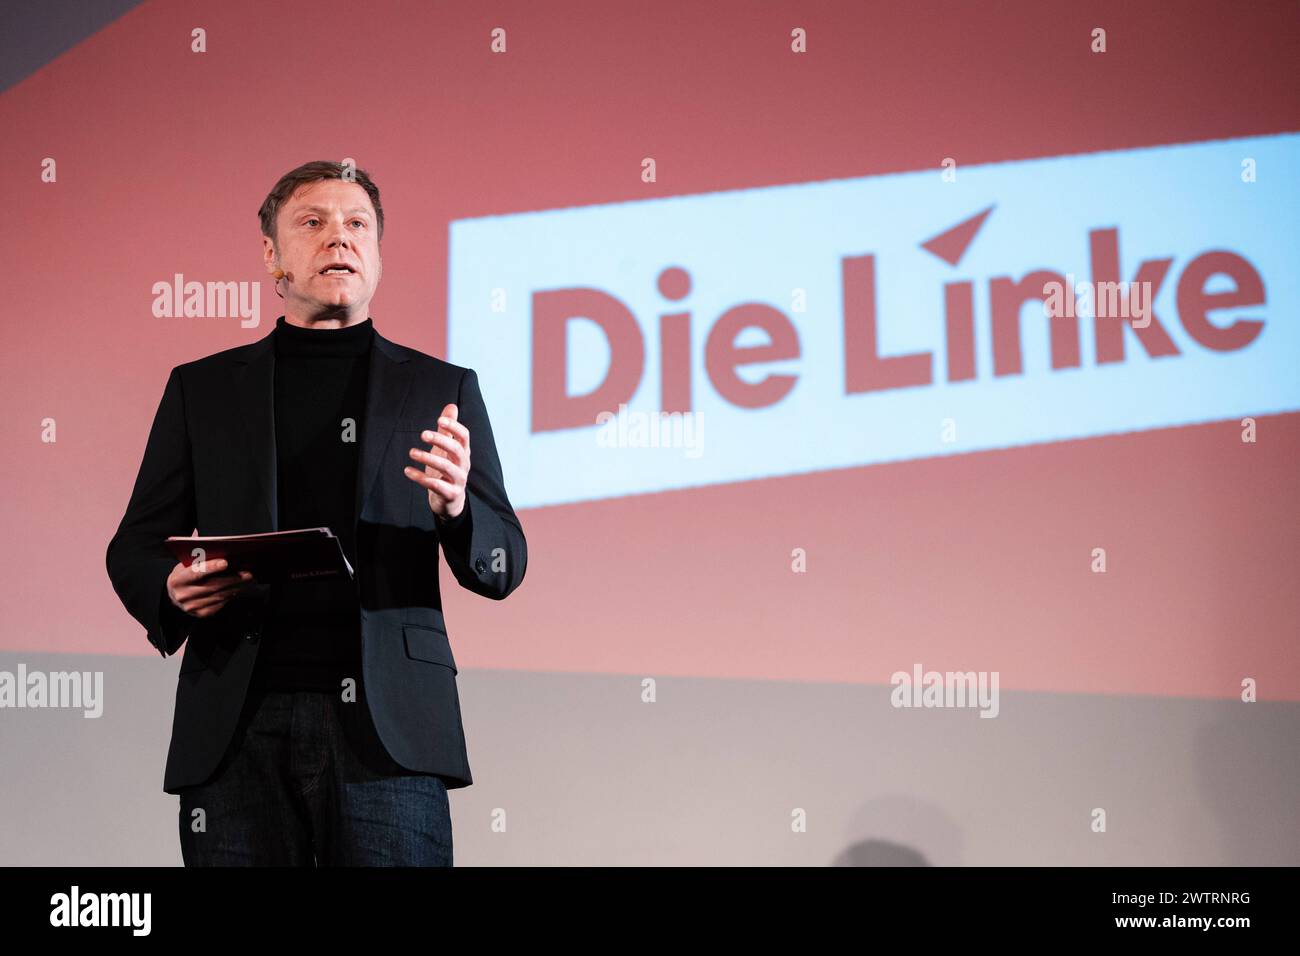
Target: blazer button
<point x="480" y="566"/>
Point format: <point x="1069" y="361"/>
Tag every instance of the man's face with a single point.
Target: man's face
<point x="327" y="223"/>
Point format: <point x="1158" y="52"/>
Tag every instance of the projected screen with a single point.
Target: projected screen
<point x="1045" y="351"/>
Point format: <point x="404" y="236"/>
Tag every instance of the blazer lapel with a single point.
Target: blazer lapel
<point x="255" y="387"/>
<point x="388" y="381"/>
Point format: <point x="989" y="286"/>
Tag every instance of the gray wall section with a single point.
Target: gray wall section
<point x="588" y="774"/>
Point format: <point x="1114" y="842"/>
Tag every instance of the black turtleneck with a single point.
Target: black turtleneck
<point x="312" y="636"/>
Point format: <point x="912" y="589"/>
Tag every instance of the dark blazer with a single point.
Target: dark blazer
<point x="210" y="465"/>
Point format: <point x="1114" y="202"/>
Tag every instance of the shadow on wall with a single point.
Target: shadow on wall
<point x="905" y="831"/>
<point x="880" y="853"/>
<point x="1249" y="773"/>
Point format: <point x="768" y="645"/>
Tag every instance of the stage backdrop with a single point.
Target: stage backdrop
<point x="828" y="347"/>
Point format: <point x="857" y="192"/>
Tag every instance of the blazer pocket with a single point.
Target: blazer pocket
<point x="428" y="644"/>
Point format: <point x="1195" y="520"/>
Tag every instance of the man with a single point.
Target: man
<point x="317" y="721"/>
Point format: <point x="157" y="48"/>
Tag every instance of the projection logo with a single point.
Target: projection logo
<point x="855" y="322"/>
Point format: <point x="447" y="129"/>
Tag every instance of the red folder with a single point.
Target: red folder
<point x="270" y="556"/>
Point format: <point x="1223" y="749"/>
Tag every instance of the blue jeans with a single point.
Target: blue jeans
<point x="306" y="781"/>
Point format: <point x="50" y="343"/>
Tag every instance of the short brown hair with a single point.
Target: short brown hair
<point x="310" y="173"/>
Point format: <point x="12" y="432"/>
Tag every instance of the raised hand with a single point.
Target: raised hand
<point x="446" y="465"/>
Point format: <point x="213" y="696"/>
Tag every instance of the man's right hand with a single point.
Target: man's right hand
<point x="204" y="593"/>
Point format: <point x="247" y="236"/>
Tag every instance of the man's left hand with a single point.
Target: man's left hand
<point x="446" y="466"/>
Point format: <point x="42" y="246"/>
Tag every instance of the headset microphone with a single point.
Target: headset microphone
<point x="281" y="274"/>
